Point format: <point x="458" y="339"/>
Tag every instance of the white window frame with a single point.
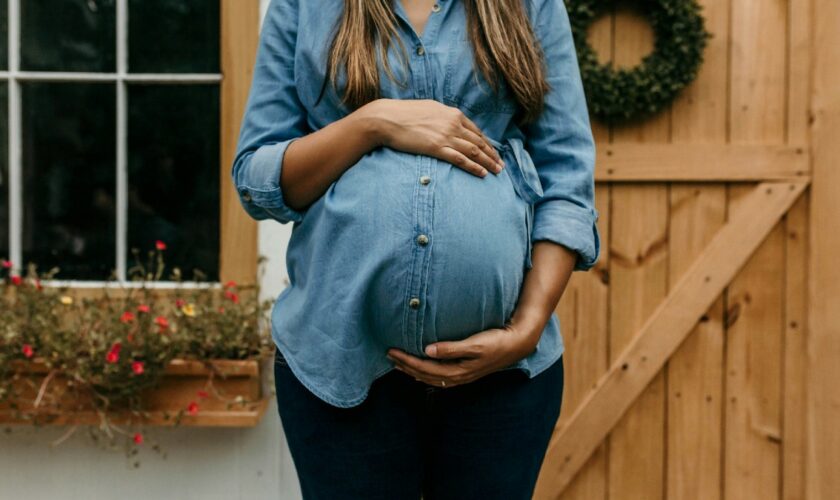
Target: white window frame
<point x="14" y="77"/>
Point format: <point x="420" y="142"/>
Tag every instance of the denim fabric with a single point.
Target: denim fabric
<point x="485" y="440"/>
<point x="404" y="250"/>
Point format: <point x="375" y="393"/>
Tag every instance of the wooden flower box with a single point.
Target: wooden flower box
<point x="179" y="386"/>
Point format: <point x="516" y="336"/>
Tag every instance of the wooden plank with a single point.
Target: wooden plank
<point x="754" y="320"/>
<point x="795" y="351"/>
<point x="638" y="283"/>
<point x="754" y="303"/>
<point x="668" y="326"/>
<point x="695" y="371"/>
<point x="823" y="481"/>
<point x="701" y="161"/>
<point x="240" y="22"/>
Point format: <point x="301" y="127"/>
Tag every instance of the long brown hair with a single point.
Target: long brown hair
<point x="499" y="31"/>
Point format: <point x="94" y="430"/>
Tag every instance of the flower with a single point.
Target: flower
<point x="112" y="357"/>
<point x="7" y="264"/>
<point x="138" y="438"/>
<point x="192" y="408"/>
<point x="160" y="245"/>
<point x="221" y="309"/>
<point x="162" y="321"/>
<point x="201" y="394"/>
<point x="188" y="310"/>
<point x="66" y="300"/>
<point x="143" y="308"/>
<point x="180" y="302"/>
<point x="116" y="346"/>
<point x="16" y="280"/>
<point x="232" y="296"/>
<point x="27" y="350"/>
<point x="230" y="284"/>
<point x="127" y="317"/>
<point x="137" y="367"/>
<point x="38" y="285"/>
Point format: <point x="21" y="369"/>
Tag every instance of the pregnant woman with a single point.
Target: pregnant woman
<point x="436" y="160"/>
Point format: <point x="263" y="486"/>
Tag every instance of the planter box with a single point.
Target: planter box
<point x="178" y="387"/>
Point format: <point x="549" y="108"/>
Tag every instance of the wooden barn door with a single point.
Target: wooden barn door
<point x="686" y="349"/>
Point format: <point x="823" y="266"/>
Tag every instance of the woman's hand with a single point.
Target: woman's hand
<point x="426" y="126"/>
<point x="460" y="362"/>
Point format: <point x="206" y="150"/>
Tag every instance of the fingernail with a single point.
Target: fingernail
<point x="501" y="165"/>
<point x="431" y="350"/>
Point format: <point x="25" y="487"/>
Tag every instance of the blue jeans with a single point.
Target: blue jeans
<point x="482" y="440"/>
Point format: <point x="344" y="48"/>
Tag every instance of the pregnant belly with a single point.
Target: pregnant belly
<point x="364" y="233"/>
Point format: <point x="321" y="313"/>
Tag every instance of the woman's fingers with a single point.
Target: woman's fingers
<point x="478" y="137"/>
<point x="473" y="146"/>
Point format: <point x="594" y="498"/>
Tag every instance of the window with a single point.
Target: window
<point x="111" y="134"/>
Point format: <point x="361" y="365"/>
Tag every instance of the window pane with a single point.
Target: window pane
<point x="4" y="35"/>
<point x="69" y="178"/>
<point x="173" y="162"/>
<point x="68" y="35"/>
<point x="4" y="172"/>
<point x="173" y="36"/>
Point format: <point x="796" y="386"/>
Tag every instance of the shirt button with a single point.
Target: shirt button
<point x="435" y="7"/>
<point x="425" y="179"/>
<point x="246" y="196"/>
<point x="421" y="50"/>
<point x="414" y="303"/>
<point x="422" y="240"/>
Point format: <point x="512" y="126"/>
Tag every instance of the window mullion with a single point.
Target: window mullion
<point x="122" y="139"/>
<point x="15" y="141"/>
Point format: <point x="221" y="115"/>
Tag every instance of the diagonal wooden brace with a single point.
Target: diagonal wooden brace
<point x="661" y="335"/>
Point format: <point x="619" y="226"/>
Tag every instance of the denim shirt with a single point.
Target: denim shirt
<point x="403" y="249"/>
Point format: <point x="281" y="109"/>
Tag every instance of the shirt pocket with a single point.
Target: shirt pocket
<point x="465" y="87"/>
<point x="523" y="176"/>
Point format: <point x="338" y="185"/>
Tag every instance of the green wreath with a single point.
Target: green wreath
<point x="620" y="95"/>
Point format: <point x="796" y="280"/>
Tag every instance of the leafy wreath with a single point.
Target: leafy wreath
<point x="620" y="95"/>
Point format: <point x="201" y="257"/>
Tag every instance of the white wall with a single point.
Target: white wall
<point x="207" y="464"/>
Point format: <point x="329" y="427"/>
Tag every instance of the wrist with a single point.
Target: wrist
<point x="371" y="119"/>
<point x="529" y="324"/>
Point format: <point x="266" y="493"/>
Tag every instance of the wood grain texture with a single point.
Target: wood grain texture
<point x="823" y="456"/>
<point x="240" y="20"/>
<point x="643" y="358"/>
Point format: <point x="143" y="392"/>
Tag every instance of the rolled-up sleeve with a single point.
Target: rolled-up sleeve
<point x="561" y="144"/>
<point x="274" y="117"/>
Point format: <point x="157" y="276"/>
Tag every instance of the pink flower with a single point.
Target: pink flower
<point x="27" y="350"/>
<point x="160" y="245"/>
<point x="143" y="308"/>
<point x="16" y="280"/>
<point x="112" y="357"/>
<point x="162" y="321"/>
<point x="192" y="408"/>
<point x="138" y="438"/>
<point x="127" y="317"/>
<point x="230" y="284"/>
<point x="137" y="367"/>
<point x="180" y="303"/>
<point x="7" y="264"/>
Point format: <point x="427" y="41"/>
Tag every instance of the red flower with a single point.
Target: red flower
<point x="162" y="321"/>
<point x="230" y="284"/>
<point x="202" y="394"/>
<point x="232" y="296"/>
<point x="112" y="357"/>
<point x="192" y="408"/>
<point x="127" y="316"/>
<point x="137" y="367"/>
<point x="16" y="280"/>
<point x="160" y="245"/>
<point x="38" y="284"/>
<point x="138" y="438"/>
<point x="7" y="264"/>
<point x="116" y="346"/>
<point x="143" y="308"/>
<point x="180" y="303"/>
<point x="27" y="350"/>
